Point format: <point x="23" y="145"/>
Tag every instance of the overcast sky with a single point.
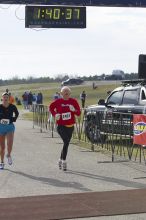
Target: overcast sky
<point x="113" y="39"/>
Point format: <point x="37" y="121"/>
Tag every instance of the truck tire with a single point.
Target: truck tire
<point x="93" y="133"/>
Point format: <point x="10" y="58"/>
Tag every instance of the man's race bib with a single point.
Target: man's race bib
<point x="66" y="116"/>
<point x="5" y="121"/>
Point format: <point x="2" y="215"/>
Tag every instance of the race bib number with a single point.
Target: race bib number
<point x="66" y="116"/>
<point x="5" y="121"/>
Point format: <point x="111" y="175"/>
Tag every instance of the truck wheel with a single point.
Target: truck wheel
<point x="93" y="134"/>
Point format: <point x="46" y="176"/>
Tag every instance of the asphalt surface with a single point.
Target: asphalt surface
<point x="35" y="171"/>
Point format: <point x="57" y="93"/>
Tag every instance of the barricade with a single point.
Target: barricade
<point x="40" y="116"/>
<point x="108" y="131"/>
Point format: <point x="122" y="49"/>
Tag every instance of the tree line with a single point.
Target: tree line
<point x="60" y="78"/>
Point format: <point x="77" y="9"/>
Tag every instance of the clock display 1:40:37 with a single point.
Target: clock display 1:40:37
<point x="57" y="13"/>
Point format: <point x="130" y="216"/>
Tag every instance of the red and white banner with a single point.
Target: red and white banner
<point x="139" y="129"/>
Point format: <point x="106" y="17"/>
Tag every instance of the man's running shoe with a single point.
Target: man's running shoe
<point x="60" y="164"/>
<point x="64" y="165"/>
<point x="1" y="166"/>
<point x="9" y="158"/>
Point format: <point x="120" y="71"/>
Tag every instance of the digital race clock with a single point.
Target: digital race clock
<point x="55" y="17"/>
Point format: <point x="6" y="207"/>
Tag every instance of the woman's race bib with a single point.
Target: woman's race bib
<point x="66" y="116"/>
<point x="5" y="121"/>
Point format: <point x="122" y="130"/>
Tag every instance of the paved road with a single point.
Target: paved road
<point x="35" y="170"/>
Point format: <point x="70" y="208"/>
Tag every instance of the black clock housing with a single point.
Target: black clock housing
<point x="55" y="17"/>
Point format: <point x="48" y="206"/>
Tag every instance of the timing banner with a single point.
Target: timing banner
<point x="139" y="129"/>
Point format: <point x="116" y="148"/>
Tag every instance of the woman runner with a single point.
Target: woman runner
<point x="8" y="115"/>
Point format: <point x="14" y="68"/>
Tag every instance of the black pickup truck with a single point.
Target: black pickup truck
<point x="119" y="107"/>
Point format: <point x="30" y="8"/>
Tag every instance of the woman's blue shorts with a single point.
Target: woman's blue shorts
<point x="5" y="129"/>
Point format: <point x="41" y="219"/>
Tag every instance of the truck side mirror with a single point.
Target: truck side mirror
<point x="101" y="102"/>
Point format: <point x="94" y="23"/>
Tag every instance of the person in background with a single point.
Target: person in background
<point x="11" y="98"/>
<point x="94" y="86"/>
<point x="56" y="96"/>
<point x="17" y="100"/>
<point x="108" y="92"/>
<point x="8" y="115"/>
<point x="30" y="99"/>
<point x="64" y="110"/>
<point x="39" y="98"/>
<point x="25" y="100"/>
<point x="83" y="98"/>
<point x="34" y="99"/>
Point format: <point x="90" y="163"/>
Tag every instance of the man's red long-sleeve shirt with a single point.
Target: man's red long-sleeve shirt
<point x="61" y="106"/>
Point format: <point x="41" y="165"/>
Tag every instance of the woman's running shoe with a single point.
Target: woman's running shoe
<point x="1" y="166"/>
<point x="9" y="158"/>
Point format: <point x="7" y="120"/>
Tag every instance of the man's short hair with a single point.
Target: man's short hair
<point x="65" y="88"/>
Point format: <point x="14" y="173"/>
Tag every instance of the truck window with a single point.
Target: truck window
<point x="131" y="97"/>
<point x="115" y="98"/>
<point x="143" y="95"/>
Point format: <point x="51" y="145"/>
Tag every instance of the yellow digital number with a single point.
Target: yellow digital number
<point x="56" y="13"/>
<point x="48" y="13"/>
<point x="37" y="13"/>
<point x="68" y="13"/>
<point x="76" y="13"/>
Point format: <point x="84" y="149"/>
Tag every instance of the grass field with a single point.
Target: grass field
<point x="48" y="89"/>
